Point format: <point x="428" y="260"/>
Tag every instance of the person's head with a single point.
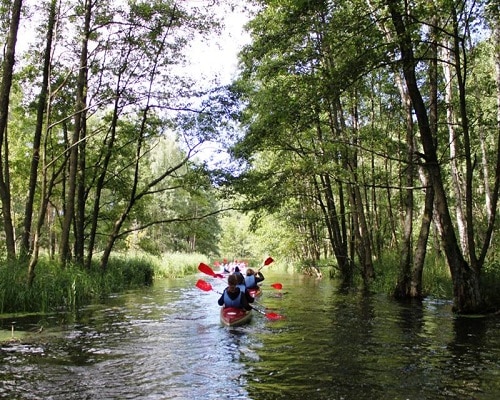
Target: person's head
<point x="240" y="278"/>
<point x="250" y="271"/>
<point x="232" y="280"/>
<point x="237" y="269"/>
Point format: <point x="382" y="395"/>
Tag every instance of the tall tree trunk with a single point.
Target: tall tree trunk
<point x="362" y="230"/>
<point x="410" y="282"/>
<point x="45" y="210"/>
<point x="426" y="221"/>
<point x="460" y="64"/>
<point x="336" y="234"/>
<point x="108" y="145"/>
<point x="80" y="106"/>
<point x="41" y="106"/>
<point x="403" y="285"/>
<point x="493" y="13"/>
<point x="421" y="247"/>
<point x="335" y="221"/>
<point x="5" y="87"/>
<point x="81" y="195"/>
<point x="466" y="292"/>
<point x="390" y="208"/>
<point x="454" y="145"/>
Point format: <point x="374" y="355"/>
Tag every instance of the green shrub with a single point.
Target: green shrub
<point x="490" y="286"/>
<point x="436" y="280"/>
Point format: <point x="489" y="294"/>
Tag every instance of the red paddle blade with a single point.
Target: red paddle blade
<point x="268" y="261"/>
<point x="209" y="271"/>
<point x="203" y="285"/>
<point x="206" y="269"/>
<point x="278" y="286"/>
<point x="274" y="316"/>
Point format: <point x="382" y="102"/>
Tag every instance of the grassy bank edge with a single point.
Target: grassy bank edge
<point x="436" y="279"/>
<point x="57" y="289"/>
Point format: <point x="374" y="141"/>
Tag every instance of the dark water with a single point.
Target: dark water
<point x="166" y="342"/>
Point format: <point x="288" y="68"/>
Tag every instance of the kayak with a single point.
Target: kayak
<point x="231" y="316"/>
<point x="255" y="292"/>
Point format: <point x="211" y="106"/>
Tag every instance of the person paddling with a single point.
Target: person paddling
<point x="233" y="296"/>
<point x="240" y="279"/>
<point x="253" y="278"/>
<point x="237" y="272"/>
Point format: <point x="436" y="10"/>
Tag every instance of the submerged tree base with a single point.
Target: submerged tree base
<point x="436" y="281"/>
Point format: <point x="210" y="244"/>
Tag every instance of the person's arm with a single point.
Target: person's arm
<point x="221" y="299"/>
<point x="245" y="302"/>
<point x="248" y="297"/>
<point x="259" y="277"/>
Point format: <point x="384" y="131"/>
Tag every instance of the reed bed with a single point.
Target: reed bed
<point x="68" y="288"/>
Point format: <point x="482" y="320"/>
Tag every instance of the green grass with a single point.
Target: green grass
<point x="490" y="286"/>
<point x="436" y="280"/>
<point x="436" y="277"/>
<point x="173" y="265"/>
<point x="55" y="288"/>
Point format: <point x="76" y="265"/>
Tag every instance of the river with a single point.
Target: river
<point x="166" y="342"/>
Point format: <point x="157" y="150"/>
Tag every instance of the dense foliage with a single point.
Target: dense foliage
<point x="366" y="131"/>
<point x="101" y="126"/>
<point x="372" y="129"/>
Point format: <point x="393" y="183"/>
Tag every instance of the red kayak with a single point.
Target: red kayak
<point x="231" y="316"/>
<point x="255" y="292"/>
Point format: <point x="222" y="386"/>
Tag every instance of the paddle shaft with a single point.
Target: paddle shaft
<point x="258" y="310"/>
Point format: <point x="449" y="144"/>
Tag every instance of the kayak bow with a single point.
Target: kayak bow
<point x="231" y="316"/>
<point x="255" y="292"/>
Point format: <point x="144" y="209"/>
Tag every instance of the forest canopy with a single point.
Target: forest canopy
<point x="376" y="124"/>
<point x="359" y="130"/>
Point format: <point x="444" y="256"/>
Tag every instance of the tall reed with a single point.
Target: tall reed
<point x="57" y="288"/>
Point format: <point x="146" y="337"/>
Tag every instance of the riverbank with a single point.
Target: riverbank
<point x="57" y="288"/>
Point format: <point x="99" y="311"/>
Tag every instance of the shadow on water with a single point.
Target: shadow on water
<point x="166" y="342"/>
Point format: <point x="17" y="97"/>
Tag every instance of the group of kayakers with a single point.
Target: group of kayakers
<point x="228" y="267"/>
<point x="237" y="293"/>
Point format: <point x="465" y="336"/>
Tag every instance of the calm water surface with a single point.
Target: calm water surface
<point x="166" y="342"/>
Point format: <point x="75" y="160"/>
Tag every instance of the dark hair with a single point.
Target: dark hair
<point x="232" y="280"/>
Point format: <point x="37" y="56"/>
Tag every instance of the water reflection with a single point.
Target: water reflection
<point x="166" y="342"/>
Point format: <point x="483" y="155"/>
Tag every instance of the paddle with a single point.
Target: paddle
<point x="268" y="261"/>
<point x="260" y="304"/>
<point x="269" y="315"/>
<point x="207" y="287"/>
<point x="209" y="271"/>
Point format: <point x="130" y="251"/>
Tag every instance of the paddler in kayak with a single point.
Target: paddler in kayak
<point x="233" y="296"/>
<point x="238" y="273"/>
<point x="253" y="278"/>
<point x="240" y="279"/>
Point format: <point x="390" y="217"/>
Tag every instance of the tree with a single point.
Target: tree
<point x="111" y="91"/>
<point x="5" y="89"/>
<point x="328" y="90"/>
<point x="37" y="137"/>
<point x="467" y="294"/>
<point x="297" y="108"/>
